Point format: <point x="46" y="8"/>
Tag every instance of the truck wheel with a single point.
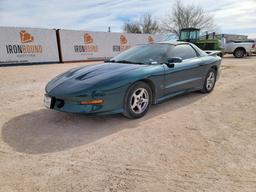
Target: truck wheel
<point x="239" y="53"/>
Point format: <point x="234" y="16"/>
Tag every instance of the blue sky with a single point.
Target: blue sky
<point x="231" y="16"/>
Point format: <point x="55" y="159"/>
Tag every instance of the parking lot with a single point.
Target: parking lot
<point x="194" y="142"/>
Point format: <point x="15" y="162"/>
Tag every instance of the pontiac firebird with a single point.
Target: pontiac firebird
<point x="134" y="80"/>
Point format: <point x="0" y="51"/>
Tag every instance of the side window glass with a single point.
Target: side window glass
<point x="184" y="51"/>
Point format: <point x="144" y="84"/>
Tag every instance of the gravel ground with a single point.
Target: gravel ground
<point x="195" y="142"/>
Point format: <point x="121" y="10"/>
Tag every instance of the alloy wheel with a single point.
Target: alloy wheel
<point x="210" y="81"/>
<point x="139" y="100"/>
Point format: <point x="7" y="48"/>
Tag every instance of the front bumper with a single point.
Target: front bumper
<point x="75" y="107"/>
<point x="113" y="102"/>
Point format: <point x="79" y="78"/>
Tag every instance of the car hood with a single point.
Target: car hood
<point x="79" y="79"/>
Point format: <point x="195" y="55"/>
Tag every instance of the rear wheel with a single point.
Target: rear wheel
<point x="137" y="100"/>
<point x="239" y="53"/>
<point x="210" y="81"/>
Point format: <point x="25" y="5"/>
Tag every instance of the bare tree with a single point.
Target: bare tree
<point x="146" y="24"/>
<point x="185" y="16"/>
<point x="132" y="27"/>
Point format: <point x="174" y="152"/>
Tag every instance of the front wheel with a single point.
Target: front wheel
<point x="209" y="81"/>
<point x="137" y="100"/>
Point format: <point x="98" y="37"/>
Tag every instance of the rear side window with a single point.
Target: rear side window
<point x="184" y="51"/>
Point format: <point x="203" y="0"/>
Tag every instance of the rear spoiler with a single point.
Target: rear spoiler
<point x="214" y="53"/>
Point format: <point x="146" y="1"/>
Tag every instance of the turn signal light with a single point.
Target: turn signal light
<point x="92" y="102"/>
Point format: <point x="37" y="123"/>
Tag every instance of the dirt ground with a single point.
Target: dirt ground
<point x="194" y="142"/>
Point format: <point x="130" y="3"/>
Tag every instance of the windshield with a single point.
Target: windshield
<point x="144" y="54"/>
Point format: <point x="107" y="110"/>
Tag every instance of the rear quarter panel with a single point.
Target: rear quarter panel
<point x="210" y="61"/>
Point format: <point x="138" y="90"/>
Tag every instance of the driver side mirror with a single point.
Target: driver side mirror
<point x="171" y="61"/>
<point x="174" y="60"/>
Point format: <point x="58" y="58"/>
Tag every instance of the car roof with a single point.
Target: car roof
<point x="175" y="43"/>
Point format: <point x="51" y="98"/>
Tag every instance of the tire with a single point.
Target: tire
<point x="210" y="80"/>
<point x="137" y="101"/>
<point x="239" y="53"/>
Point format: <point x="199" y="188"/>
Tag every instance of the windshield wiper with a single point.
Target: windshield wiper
<point x="109" y="61"/>
<point x="122" y="61"/>
<point x="125" y="61"/>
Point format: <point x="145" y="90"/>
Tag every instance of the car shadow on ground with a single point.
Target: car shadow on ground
<point x="46" y="131"/>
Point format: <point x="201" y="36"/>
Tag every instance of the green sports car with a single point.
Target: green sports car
<point x="134" y="80"/>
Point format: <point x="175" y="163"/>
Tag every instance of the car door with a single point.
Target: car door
<point x="186" y="75"/>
